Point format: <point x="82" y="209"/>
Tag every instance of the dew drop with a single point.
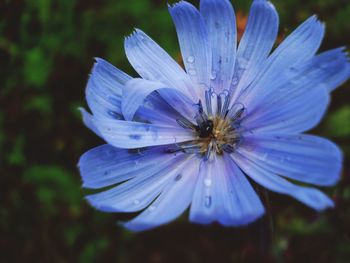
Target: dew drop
<point x="243" y="63"/>
<point x="105" y="173"/>
<point x="192" y="72"/>
<point x="178" y="177"/>
<point x="208" y="201"/>
<point x="213" y="75"/>
<point x="235" y="81"/>
<point x="264" y="157"/>
<point x="136" y="202"/>
<point x="207" y="182"/>
<point x="152" y="208"/>
<point x="190" y="59"/>
<point x="324" y="66"/>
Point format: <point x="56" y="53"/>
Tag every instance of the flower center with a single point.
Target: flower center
<point x="217" y="132"/>
<point x="218" y="135"/>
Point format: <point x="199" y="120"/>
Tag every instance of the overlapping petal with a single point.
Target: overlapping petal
<point x="194" y="42"/>
<point x="172" y="201"/>
<point x="143" y="176"/>
<point x="221" y="26"/>
<point x="104" y="89"/>
<point x="223" y="194"/>
<point x="137" y="90"/>
<point x="300" y="100"/>
<point x="306" y="158"/>
<point x="256" y="44"/>
<point x="299" y="46"/>
<point x="131" y="134"/>
<point x="261" y="174"/>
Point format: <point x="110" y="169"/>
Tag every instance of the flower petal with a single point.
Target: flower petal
<point x="256" y="43"/>
<point x="104" y="89"/>
<point x="147" y="176"/>
<point x="128" y="135"/>
<point x="292" y="114"/>
<point x="299" y="46"/>
<point x="306" y="158"/>
<point x="261" y="174"/>
<point x="194" y="41"/>
<point x="298" y="103"/>
<point x="221" y="24"/>
<point x="223" y="194"/>
<point x="172" y="202"/>
<point x="153" y="63"/>
<point x="137" y="90"/>
<point x="87" y="119"/>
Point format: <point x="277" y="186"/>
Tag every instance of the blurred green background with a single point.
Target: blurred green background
<point x="46" y="52"/>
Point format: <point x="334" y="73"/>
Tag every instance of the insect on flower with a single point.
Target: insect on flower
<point x="179" y="139"/>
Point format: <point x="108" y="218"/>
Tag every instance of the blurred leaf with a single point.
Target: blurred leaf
<point x="71" y="233"/>
<point x="93" y="249"/>
<point x="338" y="123"/>
<point x="16" y="155"/>
<point x="54" y="184"/>
<point x="40" y="103"/>
<point x="37" y="67"/>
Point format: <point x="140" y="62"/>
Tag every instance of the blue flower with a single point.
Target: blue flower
<point x="179" y="139"/>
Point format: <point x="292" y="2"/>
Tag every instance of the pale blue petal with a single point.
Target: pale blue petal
<point x="257" y="41"/>
<point x="223" y="194"/>
<point x="137" y="90"/>
<point x="300" y="100"/>
<point x="106" y="165"/>
<point x="221" y="24"/>
<point x="149" y="178"/>
<point x="153" y="63"/>
<point x="293" y="114"/>
<point x="104" y="89"/>
<point x="340" y="71"/>
<point x="306" y="158"/>
<point x="300" y="46"/>
<point x="87" y="119"/>
<point x="194" y="41"/>
<point x="173" y="201"/>
<point x="261" y="174"/>
<point x="128" y="135"/>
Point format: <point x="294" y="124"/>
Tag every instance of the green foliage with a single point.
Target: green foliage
<point x="16" y="155"/>
<point x="338" y="122"/>
<point x="54" y="185"/>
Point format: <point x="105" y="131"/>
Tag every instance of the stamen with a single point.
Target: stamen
<point x="186" y="124"/>
<point x="191" y="148"/>
<point x="219" y="105"/>
<point x="227" y="101"/>
<point x="201" y="117"/>
<point x="208" y="94"/>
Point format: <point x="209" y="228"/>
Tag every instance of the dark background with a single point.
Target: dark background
<point x="46" y="52"/>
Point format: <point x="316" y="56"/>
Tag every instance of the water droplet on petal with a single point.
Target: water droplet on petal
<point x="264" y="157"/>
<point x="207" y="182"/>
<point x="243" y="63"/>
<point x="152" y="208"/>
<point x="178" y="177"/>
<point x="136" y="202"/>
<point x="190" y="59"/>
<point x="192" y="72"/>
<point x="213" y="75"/>
<point x="208" y="201"/>
<point x="324" y="66"/>
<point x="235" y="81"/>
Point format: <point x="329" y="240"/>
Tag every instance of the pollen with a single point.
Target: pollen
<point x="222" y="136"/>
